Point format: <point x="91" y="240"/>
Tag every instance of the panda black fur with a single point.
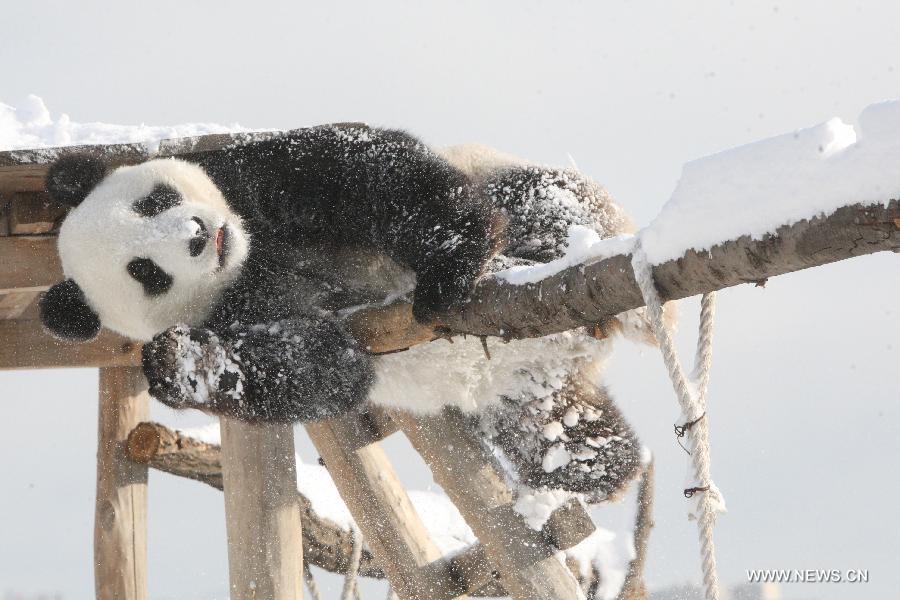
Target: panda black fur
<point x="262" y="338"/>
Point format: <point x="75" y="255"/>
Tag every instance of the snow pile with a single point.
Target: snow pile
<point x="754" y="189"/>
<point x="536" y="506"/>
<point x="30" y="125"/>
<point x="584" y="246"/>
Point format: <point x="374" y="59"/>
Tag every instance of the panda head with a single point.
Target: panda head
<point x="145" y="247"/>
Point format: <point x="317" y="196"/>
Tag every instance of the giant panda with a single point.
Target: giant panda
<point x="236" y="267"/>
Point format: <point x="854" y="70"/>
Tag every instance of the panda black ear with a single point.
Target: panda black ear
<point x="71" y="178"/>
<point x="66" y="315"/>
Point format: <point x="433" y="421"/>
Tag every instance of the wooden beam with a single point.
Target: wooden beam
<point x="328" y="545"/>
<point x="26" y="346"/>
<point x="262" y="511"/>
<point x="585" y="295"/>
<point x="379" y="504"/>
<point x="120" y="524"/>
<point x="634" y="587"/>
<point x="4" y="216"/>
<point x="25" y="170"/>
<point x="462" y="466"/>
<point x="18" y="305"/>
<point x="32" y="213"/>
<point x="29" y="263"/>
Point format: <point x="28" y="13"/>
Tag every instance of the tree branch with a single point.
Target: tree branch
<point x="589" y="294"/>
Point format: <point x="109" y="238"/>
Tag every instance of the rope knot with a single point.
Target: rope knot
<point x="689" y="492"/>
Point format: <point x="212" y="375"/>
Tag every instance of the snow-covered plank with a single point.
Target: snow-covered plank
<point x="120" y="522"/>
<point x="25" y="170"/>
<point x="591" y="292"/>
<point x="26" y="346"/>
<point x="461" y="465"/>
<point x="262" y="511"/>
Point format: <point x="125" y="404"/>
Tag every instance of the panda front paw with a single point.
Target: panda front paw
<point x="437" y="295"/>
<point x="445" y="286"/>
<point x="190" y="368"/>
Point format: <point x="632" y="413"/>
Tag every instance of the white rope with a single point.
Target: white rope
<point x="350" y="590"/>
<point x="692" y="399"/>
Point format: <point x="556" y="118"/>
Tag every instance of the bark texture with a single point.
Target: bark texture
<point x="585" y="295"/>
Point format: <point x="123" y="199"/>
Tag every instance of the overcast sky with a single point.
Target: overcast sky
<point x="804" y="392"/>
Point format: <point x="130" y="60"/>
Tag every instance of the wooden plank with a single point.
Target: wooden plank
<point x="34" y="213"/>
<point x="25" y="170"/>
<point x="262" y="511"/>
<point x="211" y="142"/>
<point x="29" y="263"/>
<point x="4" y="216"/>
<point x="463" y="467"/>
<point x="379" y="504"/>
<point x="26" y="346"/>
<point x="120" y="525"/>
<point x="18" y="305"/>
<point x="367" y="428"/>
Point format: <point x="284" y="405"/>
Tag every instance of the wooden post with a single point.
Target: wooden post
<point x="461" y="465"/>
<point x="262" y="511"/>
<point x="120" y="524"/>
<point x="379" y="503"/>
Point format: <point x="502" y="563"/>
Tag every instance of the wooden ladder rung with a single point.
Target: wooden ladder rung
<point x="372" y="491"/>
<point x="474" y="482"/>
<point x="470" y="570"/>
<point x="369" y="427"/>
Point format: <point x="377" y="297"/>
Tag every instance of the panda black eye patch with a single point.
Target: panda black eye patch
<point x="163" y="197"/>
<point x="150" y="275"/>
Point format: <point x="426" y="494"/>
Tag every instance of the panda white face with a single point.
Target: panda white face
<point x="152" y="245"/>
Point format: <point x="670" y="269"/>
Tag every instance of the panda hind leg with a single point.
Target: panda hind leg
<point x="579" y="442"/>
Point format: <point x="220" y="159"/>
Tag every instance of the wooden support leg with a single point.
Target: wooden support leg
<point x="462" y="467"/>
<point x="120" y="523"/>
<point x="262" y="513"/>
<point x="376" y="498"/>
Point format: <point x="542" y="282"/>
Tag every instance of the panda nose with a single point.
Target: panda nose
<point x="198" y="242"/>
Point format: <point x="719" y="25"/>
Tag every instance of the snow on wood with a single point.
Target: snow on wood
<point x="848" y="221"/>
<point x="194" y="453"/>
<point x="756" y="188"/>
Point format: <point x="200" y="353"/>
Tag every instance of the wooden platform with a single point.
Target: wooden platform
<point x="265" y="551"/>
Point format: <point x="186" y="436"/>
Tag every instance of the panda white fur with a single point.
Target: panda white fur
<point x="234" y="266"/>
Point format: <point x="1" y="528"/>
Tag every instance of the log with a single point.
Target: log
<point x="27" y="346"/>
<point x="25" y="170"/>
<point x="326" y="544"/>
<point x="634" y="586"/>
<point x="462" y="466"/>
<point x="584" y="295"/>
<point x="262" y="512"/>
<point x="372" y="491"/>
<point x="4" y="216"/>
<point x="120" y="525"/>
